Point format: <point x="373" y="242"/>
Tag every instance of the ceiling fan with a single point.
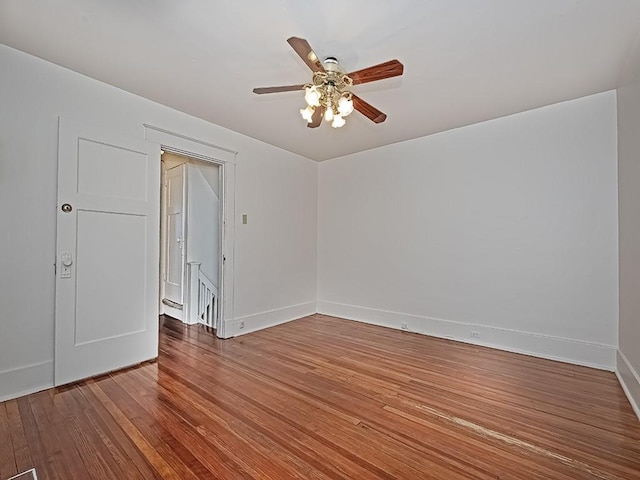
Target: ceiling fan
<point x="328" y="95"/>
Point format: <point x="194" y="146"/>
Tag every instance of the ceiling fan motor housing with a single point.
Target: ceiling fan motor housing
<point x="331" y="64"/>
<point x="333" y="76"/>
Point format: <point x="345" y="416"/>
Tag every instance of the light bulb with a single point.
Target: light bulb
<point x="345" y="106"/>
<point x="338" y="121"/>
<point x="328" y="114"/>
<point x="307" y="113"/>
<point x="312" y="96"/>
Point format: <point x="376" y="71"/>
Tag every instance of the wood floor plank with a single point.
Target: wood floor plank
<point x="91" y="437"/>
<point x="243" y="399"/>
<point x="223" y="431"/>
<point x="133" y="460"/>
<point x="181" y="430"/>
<point x="21" y="453"/>
<point x="352" y="402"/>
<point x="61" y="454"/>
<point x="8" y="466"/>
<point x="44" y="448"/>
<point x="324" y="398"/>
<point x="146" y="434"/>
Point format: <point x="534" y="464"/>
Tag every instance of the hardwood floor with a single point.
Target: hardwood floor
<point x="326" y="398"/>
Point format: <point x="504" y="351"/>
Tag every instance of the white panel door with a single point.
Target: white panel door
<point x="175" y="247"/>
<point x="106" y="312"/>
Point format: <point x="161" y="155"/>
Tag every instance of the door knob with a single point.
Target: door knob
<point x="67" y="259"/>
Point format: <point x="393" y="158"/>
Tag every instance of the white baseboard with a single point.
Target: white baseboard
<point x="566" y="350"/>
<point x="270" y="318"/>
<point x="172" y="312"/>
<point x="21" y="381"/>
<point x="630" y="381"/>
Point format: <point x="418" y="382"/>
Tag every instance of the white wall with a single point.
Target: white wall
<point x="275" y="187"/>
<point x="211" y="174"/>
<point x="506" y="228"/>
<point x="628" y="367"/>
<point x="209" y="171"/>
<point x="202" y="235"/>
<point x="267" y="195"/>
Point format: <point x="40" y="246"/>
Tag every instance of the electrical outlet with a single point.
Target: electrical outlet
<point x="404" y="326"/>
<point x="240" y="324"/>
<point x="475" y="334"/>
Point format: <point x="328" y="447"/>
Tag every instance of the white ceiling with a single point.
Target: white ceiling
<point x="465" y="60"/>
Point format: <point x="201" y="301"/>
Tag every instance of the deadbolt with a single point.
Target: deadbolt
<point x="66" y="208"/>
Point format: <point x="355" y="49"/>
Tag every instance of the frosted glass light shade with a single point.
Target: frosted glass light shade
<point x="338" y="121"/>
<point x="345" y="106"/>
<point x="307" y="113"/>
<point x="328" y="114"/>
<point x="312" y="96"/>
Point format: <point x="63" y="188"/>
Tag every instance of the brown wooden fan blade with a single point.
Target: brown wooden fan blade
<point x="302" y="48"/>
<point x="389" y="69"/>
<point x="284" y="88"/>
<point x="368" y="110"/>
<point x="316" y="119"/>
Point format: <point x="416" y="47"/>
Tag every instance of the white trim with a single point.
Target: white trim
<point x="188" y="146"/>
<point x="21" y="381"/>
<point x="270" y="318"/>
<point x="19" y="476"/>
<point x="172" y="311"/>
<point x="227" y="265"/>
<point x="163" y="233"/>
<point x="200" y="150"/>
<point x="567" y="350"/>
<point x="630" y="381"/>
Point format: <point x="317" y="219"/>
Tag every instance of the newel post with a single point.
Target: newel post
<point x="191" y="303"/>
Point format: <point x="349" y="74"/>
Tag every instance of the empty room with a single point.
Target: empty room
<point x="335" y="240"/>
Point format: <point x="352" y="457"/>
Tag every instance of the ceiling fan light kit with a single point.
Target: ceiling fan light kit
<point x="329" y="96"/>
<point x="329" y="92"/>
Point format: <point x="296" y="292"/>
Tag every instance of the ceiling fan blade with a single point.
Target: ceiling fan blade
<point x="316" y="119"/>
<point x="368" y="110"/>
<point x="302" y="48"/>
<point x="284" y="88"/>
<point x="389" y="69"/>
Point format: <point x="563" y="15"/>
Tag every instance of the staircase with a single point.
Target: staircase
<point x="202" y="297"/>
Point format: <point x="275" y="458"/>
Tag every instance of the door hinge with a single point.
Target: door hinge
<point x="55" y="267"/>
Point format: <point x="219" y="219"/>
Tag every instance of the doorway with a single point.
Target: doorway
<point x="190" y="239"/>
<point x="107" y="246"/>
<point x="225" y="159"/>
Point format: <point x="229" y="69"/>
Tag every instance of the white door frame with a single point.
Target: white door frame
<point x="164" y="237"/>
<point x="197" y="149"/>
